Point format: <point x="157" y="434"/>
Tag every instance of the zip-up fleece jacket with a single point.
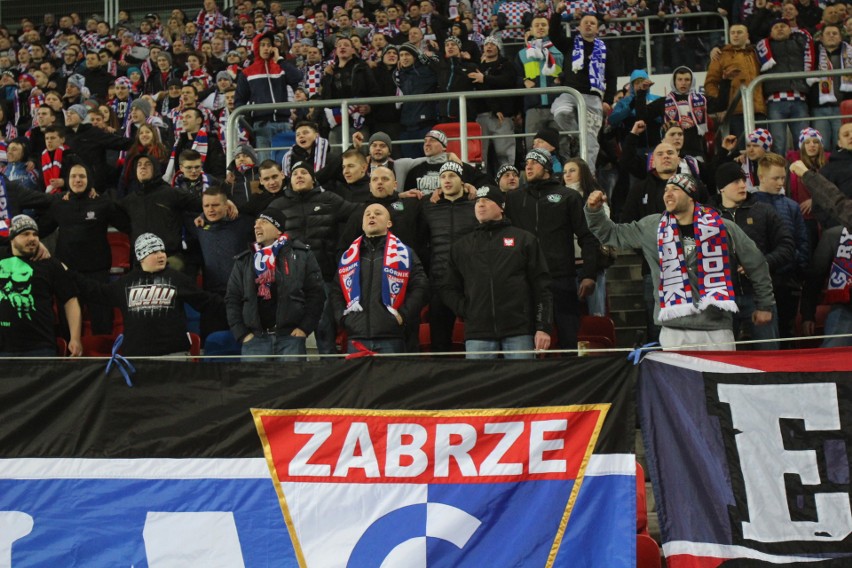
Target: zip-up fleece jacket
<point x="266" y="81"/>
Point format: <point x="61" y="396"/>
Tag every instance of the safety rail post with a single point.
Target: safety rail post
<point x="231" y="127"/>
<point x="748" y="90"/>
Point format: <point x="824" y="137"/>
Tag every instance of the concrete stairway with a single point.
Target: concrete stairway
<point x="626" y="305"/>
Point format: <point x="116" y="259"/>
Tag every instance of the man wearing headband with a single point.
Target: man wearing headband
<point x="151" y="298"/>
<point x="517" y="314"/>
<point x="275" y="294"/>
<point x="554" y="214"/>
<point x="690" y="252"/>
<point x="28" y="288"/>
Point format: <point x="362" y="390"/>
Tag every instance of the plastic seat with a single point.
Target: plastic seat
<point x="194" y="344"/>
<point x="97" y="345"/>
<point x="119" y="245"/>
<point x="641" y="501"/>
<point x="474" y="146"/>
<point x="597" y="326"/>
<point x="61" y="347"/>
<point x="647" y="552"/>
<point x="846" y="111"/>
<point x="284" y="140"/>
<point x="221" y="343"/>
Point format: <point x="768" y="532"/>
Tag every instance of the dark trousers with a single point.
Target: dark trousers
<point x="566" y="310"/>
<point x="441" y="321"/>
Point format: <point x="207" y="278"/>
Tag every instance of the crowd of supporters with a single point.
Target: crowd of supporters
<point x="123" y="125"/>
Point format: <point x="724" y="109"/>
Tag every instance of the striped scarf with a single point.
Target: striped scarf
<point x="199" y="145"/>
<point x="396" y="269"/>
<point x="597" y="63"/>
<point x="207" y="24"/>
<point x="264" y="261"/>
<point x="51" y="167"/>
<point x="767" y="60"/>
<point x="696" y="115"/>
<point x="180" y="178"/>
<point x="715" y="286"/>
<point x="840" y="275"/>
<point x="321" y="147"/>
<point x="313" y="79"/>
<point x="826" y="92"/>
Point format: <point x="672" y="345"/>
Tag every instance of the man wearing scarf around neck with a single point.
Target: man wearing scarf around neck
<point x="828" y="92"/>
<point x="275" y="294"/>
<point x="690" y="250"/>
<point x="380" y="286"/>
<point x="589" y="73"/>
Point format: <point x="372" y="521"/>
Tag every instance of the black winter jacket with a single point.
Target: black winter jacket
<point x="376" y="321"/>
<point x="499" y="283"/>
<point x="313" y="217"/>
<point x="447" y="221"/>
<point x="298" y="288"/>
<point x="554" y="214"/>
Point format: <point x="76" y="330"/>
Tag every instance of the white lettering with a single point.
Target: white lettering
<point x="14" y="525"/>
<point x="511" y="432"/>
<point x="176" y="540"/>
<point x="320" y="431"/>
<point x="460" y="452"/>
<point x="397" y="449"/>
<point x="357" y="437"/>
<point x="538" y="445"/>
<point x="755" y="412"/>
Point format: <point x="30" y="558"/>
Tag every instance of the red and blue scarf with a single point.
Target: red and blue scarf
<point x="51" y="167"/>
<point x="840" y="275"/>
<point x="4" y="209"/>
<point x="199" y="145"/>
<point x="713" y="266"/>
<point x="263" y="264"/>
<point x="396" y="269"/>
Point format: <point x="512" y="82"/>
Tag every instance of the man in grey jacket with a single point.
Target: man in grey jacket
<point x="693" y="250"/>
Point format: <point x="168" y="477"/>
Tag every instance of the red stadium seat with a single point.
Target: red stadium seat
<point x="194" y="344"/>
<point x="597" y="326"/>
<point x="647" y="552"/>
<point x="119" y="244"/>
<point x="61" y="347"/>
<point x="846" y="111"/>
<point x="641" y="501"/>
<point x="474" y="147"/>
<point x="97" y="345"/>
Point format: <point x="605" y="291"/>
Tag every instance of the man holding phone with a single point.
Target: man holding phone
<point x="266" y="81"/>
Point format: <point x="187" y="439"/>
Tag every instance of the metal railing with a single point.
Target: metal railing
<point x="748" y="91"/>
<point x="231" y="130"/>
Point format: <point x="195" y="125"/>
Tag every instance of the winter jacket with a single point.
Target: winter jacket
<point x="499" y="74"/>
<point x="298" y="288"/>
<point x="762" y="224"/>
<point x="828" y="197"/>
<point x="83" y="222"/>
<point x="266" y="81"/>
<point x="418" y="79"/>
<point x="385" y="113"/>
<point x="643" y="234"/>
<point x="358" y="192"/>
<point x="313" y="217"/>
<point x="633" y="107"/>
<point x="790" y="214"/>
<point x="818" y="272"/>
<point x="452" y="78"/>
<point x="743" y="59"/>
<point x="838" y="171"/>
<point x="554" y="214"/>
<point x="214" y="161"/>
<point x="156" y="207"/>
<point x="376" y="321"/>
<point x="789" y="56"/>
<point x="91" y="144"/>
<point x="152" y="304"/>
<point x="499" y="283"/>
<point x="447" y="221"/>
<point x="352" y="81"/>
<point x="220" y="243"/>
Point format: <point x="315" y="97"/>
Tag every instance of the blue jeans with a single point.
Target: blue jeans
<point x="263" y="133"/>
<point x="828" y="127"/>
<point x="514" y="343"/>
<point x="597" y="301"/>
<point x="839" y="320"/>
<point x="273" y="344"/>
<point x="378" y="345"/>
<point x="744" y="329"/>
<point x="786" y="109"/>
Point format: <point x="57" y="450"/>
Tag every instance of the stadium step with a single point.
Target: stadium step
<point x="626" y="303"/>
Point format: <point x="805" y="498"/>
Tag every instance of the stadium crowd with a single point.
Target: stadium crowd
<point x="122" y="128"/>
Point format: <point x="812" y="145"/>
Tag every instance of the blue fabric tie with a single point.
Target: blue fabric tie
<point x="636" y="355"/>
<point x="124" y="366"/>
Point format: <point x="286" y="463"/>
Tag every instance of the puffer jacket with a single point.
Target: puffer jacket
<point x="447" y="221"/>
<point x="418" y="79"/>
<point x="499" y="283"/>
<point x="266" y="81"/>
<point x="298" y="288"/>
<point x="313" y="217"/>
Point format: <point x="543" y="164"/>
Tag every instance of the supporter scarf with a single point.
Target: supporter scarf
<point x="4" y="209"/>
<point x="597" y="63"/>
<point x="199" y="145"/>
<point x="539" y="50"/>
<point x="51" y="168"/>
<point x="713" y="266"/>
<point x="263" y="264"/>
<point x="313" y="79"/>
<point x="335" y="118"/>
<point x="396" y="269"/>
<point x="320" y="154"/>
<point x="243" y="168"/>
<point x="696" y="115"/>
<point x="35" y="101"/>
<point x="180" y="178"/>
<point x="826" y="84"/>
<point x="4" y="156"/>
<point x="840" y="275"/>
<point x="207" y="24"/>
<point x="767" y="60"/>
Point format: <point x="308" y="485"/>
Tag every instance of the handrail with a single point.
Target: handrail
<point x="748" y="90"/>
<point x="231" y="130"/>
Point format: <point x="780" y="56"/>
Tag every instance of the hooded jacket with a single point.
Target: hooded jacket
<point x="669" y="109"/>
<point x="156" y="207"/>
<point x="266" y="81"/>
